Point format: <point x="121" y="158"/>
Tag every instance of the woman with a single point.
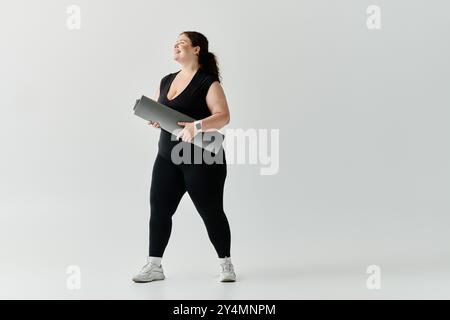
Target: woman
<point x="194" y="90"/>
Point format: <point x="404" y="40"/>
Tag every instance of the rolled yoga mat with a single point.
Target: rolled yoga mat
<point x="168" y="118"/>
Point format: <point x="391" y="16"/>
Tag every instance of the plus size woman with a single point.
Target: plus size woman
<point x="194" y="90"/>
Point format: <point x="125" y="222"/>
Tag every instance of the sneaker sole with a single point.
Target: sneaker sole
<point x="227" y="280"/>
<point x="145" y="281"/>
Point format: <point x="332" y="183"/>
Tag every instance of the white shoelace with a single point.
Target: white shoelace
<point x="227" y="267"/>
<point x="148" y="266"/>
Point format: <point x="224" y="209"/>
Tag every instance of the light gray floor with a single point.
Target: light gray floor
<point x="263" y="279"/>
<point x="311" y="255"/>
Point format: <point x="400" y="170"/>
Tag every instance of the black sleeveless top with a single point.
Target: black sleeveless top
<point x="191" y="101"/>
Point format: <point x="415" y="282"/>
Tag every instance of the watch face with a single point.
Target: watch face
<point x="198" y="125"/>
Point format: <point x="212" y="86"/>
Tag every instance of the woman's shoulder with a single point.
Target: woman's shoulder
<point x="165" y="78"/>
<point x="208" y="79"/>
<point x="209" y="75"/>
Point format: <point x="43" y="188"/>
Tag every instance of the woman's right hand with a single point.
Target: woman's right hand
<point x="154" y="124"/>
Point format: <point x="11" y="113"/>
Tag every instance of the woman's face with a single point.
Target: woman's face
<point x="183" y="50"/>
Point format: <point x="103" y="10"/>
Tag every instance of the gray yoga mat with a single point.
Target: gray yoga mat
<point x="168" y="118"/>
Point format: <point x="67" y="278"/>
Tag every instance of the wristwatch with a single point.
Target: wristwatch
<point x="197" y="126"/>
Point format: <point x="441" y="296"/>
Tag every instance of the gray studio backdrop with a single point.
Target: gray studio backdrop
<point x="363" y="177"/>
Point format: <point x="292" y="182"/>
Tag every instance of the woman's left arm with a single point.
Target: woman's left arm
<point x="217" y="104"/>
<point x="220" y="114"/>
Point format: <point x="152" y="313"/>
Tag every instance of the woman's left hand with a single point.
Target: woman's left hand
<point x="187" y="134"/>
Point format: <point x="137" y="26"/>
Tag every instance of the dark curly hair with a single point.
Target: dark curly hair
<point x="206" y="59"/>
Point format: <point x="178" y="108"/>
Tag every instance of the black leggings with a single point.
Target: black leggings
<point x="204" y="184"/>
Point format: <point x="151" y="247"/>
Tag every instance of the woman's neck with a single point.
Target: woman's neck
<point x="189" y="69"/>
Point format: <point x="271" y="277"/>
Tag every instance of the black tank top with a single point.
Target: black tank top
<point x="191" y="101"/>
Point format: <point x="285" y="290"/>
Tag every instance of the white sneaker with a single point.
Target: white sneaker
<point x="150" y="272"/>
<point x="227" y="273"/>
